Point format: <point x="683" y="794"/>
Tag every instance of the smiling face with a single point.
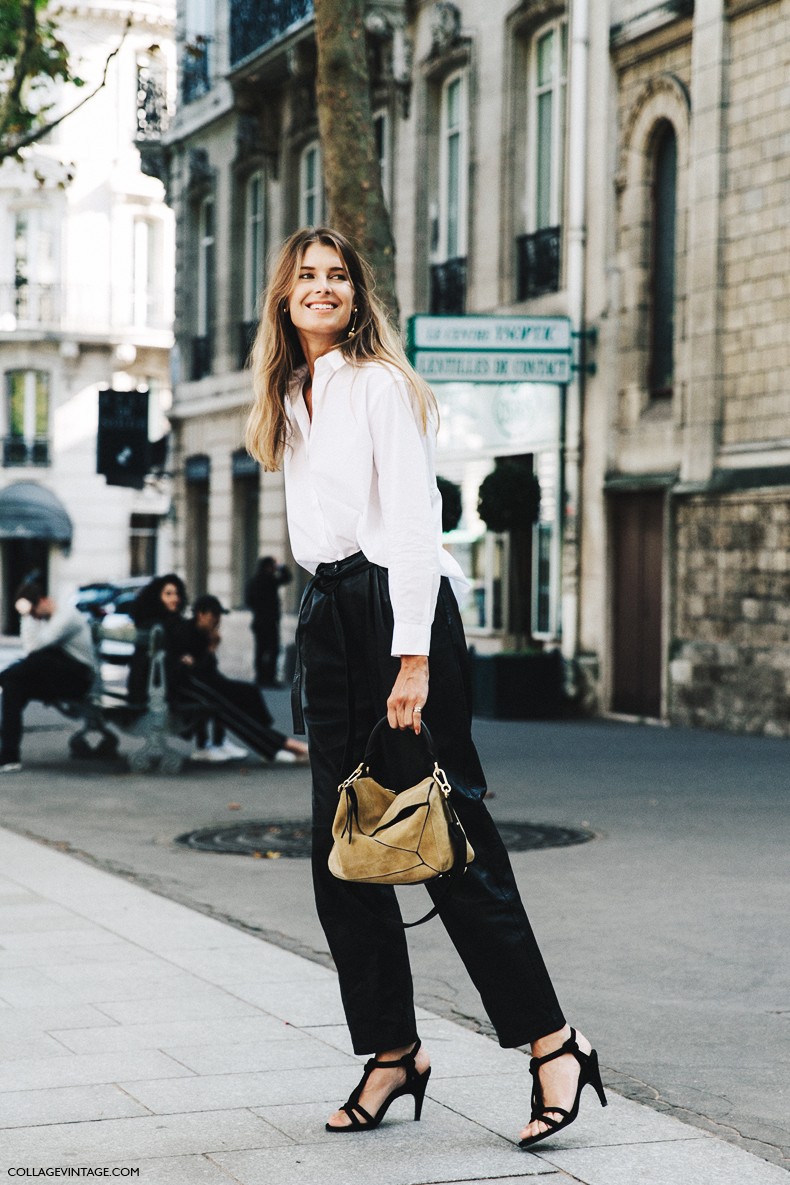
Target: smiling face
<point x="322" y="299"/>
<point x="171" y="598"/>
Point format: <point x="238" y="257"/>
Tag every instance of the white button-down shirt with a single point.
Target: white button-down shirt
<point x="361" y="477"/>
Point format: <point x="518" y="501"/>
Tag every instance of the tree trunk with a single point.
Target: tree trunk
<point x="352" y="172"/>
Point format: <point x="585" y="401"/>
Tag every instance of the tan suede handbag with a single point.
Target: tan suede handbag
<point x="406" y="838"/>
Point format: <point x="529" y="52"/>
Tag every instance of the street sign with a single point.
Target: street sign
<point x="449" y="366"/>
<point x="489" y="349"/>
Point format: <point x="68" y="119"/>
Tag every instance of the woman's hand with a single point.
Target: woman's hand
<point x="409" y="693"/>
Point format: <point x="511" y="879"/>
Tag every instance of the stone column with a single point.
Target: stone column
<point x="702" y="414"/>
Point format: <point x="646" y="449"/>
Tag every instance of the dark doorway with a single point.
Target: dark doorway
<point x="638" y="537"/>
<point x="21" y="558"/>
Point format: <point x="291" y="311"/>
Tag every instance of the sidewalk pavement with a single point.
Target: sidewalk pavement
<point x="138" y="1035"/>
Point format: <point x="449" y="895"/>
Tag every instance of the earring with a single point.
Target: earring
<point x="284" y="307"/>
<point x="353" y="328"/>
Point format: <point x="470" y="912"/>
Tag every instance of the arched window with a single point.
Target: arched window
<point x="661" y="366"/>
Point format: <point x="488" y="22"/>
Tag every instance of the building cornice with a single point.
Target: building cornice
<point x="148" y="13"/>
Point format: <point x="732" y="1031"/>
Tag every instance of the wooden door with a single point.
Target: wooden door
<point x="638" y="538"/>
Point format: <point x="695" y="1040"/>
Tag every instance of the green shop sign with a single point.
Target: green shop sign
<point x="490" y="349"/>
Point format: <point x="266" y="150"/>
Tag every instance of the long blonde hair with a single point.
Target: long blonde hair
<point x="277" y="352"/>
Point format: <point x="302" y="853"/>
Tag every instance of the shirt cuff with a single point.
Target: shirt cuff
<point x="410" y="639"/>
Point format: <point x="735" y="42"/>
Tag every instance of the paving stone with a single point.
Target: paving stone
<point x="67" y="1104"/>
<point x="223" y="1091"/>
<point x="21" y="1022"/>
<point x="41" y="1045"/>
<point x="305" y="1124"/>
<point x="250" y="1056"/>
<point x="231" y="1030"/>
<point x="179" y="1170"/>
<point x="366" y="1160"/>
<point x="122" y="1141"/>
<point x="210" y="1006"/>
<point x="263" y="963"/>
<point x="84" y="1069"/>
<point x="494" y="1103"/>
<point x="297" y="1002"/>
<point x="687" y="1162"/>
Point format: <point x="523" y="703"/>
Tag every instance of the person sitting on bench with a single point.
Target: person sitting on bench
<point x="60" y="664"/>
<point x="230" y="703"/>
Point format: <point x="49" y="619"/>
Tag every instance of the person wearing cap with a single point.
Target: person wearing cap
<point x="229" y="703"/>
<point x="60" y="665"/>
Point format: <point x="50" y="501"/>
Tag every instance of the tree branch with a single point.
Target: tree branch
<point x="36" y="133"/>
<point x="20" y="71"/>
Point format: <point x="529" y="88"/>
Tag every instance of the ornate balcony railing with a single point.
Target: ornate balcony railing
<point x="196" y="68"/>
<point x="17" y="450"/>
<point x="254" y="25"/>
<point x="538" y="263"/>
<point x="83" y="308"/>
<point x="201" y="358"/>
<point x="448" y="287"/>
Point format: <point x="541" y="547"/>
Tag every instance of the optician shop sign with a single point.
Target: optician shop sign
<point x="491" y="349"/>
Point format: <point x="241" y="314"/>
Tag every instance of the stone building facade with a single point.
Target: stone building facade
<point x="686" y="478"/>
<point x="620" y="164"/>
<point x="86" y="303"/>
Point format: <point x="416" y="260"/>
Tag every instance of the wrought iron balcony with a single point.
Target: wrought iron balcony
<point x="538" y="263"/>
<point x="254" y="25"/>
<point x="448" y="287"/>
<point x="23" y="303"/>
<point x="201" y="358"/>
<point x="17" y="450"/>
<point x="152" y="115"/>
<point x="196" y="68"/>
<point x="247" y="330"/>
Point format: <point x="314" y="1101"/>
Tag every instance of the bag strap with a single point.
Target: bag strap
<point x="378" y="730"/>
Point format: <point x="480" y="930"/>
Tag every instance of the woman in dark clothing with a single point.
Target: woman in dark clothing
<point x="161" y="602"/>
<point x="339" y="406"/>
<point x="194" y="683"/>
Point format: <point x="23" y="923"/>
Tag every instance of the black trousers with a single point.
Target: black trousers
<point x="345" y="633"/>
<point x="49" y="674"/>
<point x="239" y="706"/>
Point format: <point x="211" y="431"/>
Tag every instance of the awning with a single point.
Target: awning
<point x="31" y="511"/>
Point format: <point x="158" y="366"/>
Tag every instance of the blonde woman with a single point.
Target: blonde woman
<point x="338" y="406"/>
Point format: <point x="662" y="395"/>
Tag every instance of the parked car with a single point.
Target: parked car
<point x="108" y="603"/>
<point x="103" y="597"/>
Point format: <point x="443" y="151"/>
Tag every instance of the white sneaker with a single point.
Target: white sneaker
<point x="285" y="757"/>
<point x="231" y="752"/>
<point x="211" y="753"/>
<point x="10" y="767"/>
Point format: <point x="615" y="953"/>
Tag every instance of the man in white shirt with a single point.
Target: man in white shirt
<point x="59" y="665"/>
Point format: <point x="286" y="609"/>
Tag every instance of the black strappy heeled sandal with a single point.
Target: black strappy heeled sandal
<point x="589" y="1073"/>
<point x="415" y="1085"/>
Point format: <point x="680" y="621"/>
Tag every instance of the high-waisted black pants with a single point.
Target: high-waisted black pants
<point x="344" y="639"/>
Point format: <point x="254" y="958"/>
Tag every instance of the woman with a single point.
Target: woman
<point x="194" y="684"/>
<point x="339" y="406"/>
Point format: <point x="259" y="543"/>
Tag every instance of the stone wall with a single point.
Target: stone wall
<point x="756" y="226"/>
<point x="730" y="655"/>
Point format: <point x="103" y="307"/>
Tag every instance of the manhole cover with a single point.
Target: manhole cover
<point x="272" y="840"/>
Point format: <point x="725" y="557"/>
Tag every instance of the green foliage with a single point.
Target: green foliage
<point x="452" y="506"/>
<point x="32" y="58"/>
<point x="509" y="496"/>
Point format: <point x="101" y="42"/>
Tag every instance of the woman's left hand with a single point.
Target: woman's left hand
<point x="409" y="693"/>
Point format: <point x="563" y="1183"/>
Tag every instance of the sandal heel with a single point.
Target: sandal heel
<point x="594" y="1077"/>
<point x="419" y="1093"/>
<point x="361" y="1120"/>
<point x="589" y="1074"/>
